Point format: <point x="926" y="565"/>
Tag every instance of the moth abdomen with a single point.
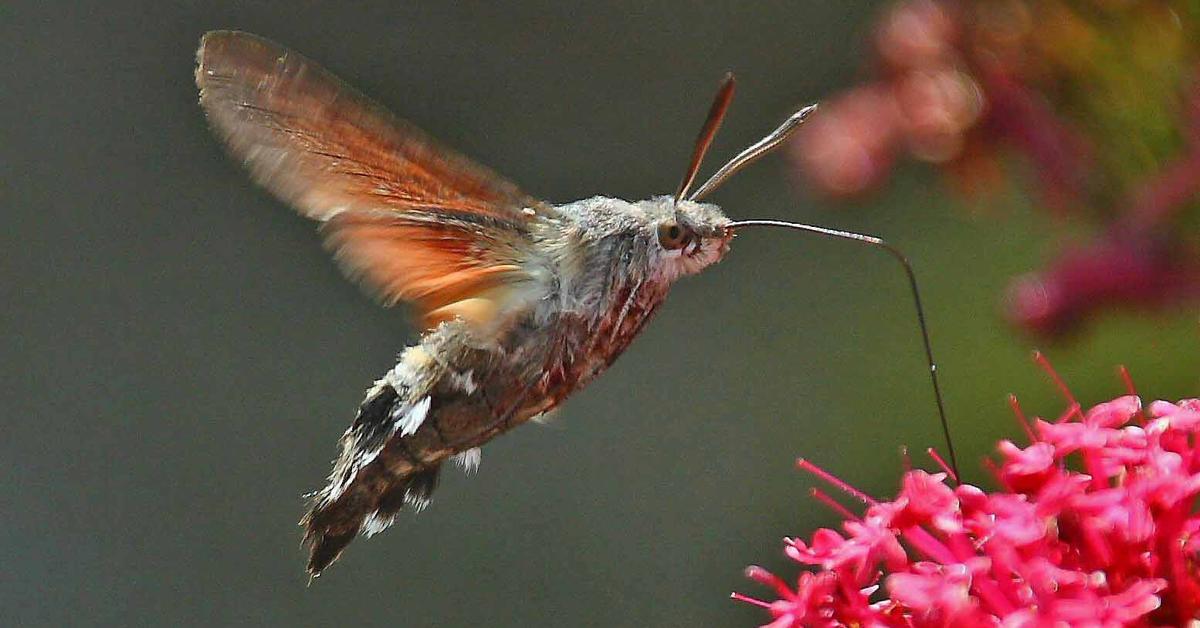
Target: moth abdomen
<point x="417" y="415"/>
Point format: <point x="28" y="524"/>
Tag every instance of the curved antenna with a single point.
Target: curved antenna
<point x="716" y="113"/>
<point x="912" y="282"/>
<point x="753" y="152"/>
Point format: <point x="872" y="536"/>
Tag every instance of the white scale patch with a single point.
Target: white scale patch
<point x="374" y="524"/>
<point x="363" y="461"/>
<point x="367" y="457"/>
<point x="411" y="420"/>
<point x="469" y="459"/>
<point x="546" y="418"/>
<point x="465" y="381"/>
<point x="418" y="503"/>
<point x="398" y="376"/>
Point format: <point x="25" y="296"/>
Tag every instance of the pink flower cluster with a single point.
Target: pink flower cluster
<point x="1094" y="524"/>
<point x="926" y="104"/>
<point x="1033" y="95"/>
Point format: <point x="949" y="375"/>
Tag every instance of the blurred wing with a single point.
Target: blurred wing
<point x="448" y="265"/>
<point x="413" y="219"/>
<point x="322" y="146"/>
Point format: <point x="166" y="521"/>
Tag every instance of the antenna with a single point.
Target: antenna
<point x="716" y="113"/>
<point x="753" y="152"/>
<point x="760" y="148"/>
<point x="894" y="252"/>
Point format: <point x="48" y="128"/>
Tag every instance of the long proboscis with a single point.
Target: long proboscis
<point x="916" y="293"/>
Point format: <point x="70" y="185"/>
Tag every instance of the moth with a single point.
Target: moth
<point x="521" y="302"/>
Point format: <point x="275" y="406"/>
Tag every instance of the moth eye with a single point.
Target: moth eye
<point x="672" y="236"/>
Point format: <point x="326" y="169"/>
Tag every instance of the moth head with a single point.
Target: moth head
<point x="666" y="237"/>
<point x="683" y="237"/>
<point x="692" y="234"/>
<point x="655" y="239"/>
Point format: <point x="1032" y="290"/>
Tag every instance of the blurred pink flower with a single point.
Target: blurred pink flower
<point x="850" y="147"/>
<point x="1091" y="109"/>
<point x="916" y="34"/>
<point x="1113" y="543"/>
<point x="1129" y="272"/>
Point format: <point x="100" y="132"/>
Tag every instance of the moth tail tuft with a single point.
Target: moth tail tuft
<point x="330" y="526"/>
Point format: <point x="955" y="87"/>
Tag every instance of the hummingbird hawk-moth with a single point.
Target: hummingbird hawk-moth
<point x="521" y="302"/>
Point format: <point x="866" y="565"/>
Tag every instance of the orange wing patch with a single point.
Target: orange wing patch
<point x="446" y="267"/>
<point x="412" y="219"/>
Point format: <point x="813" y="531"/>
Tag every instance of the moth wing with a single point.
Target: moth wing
<point x="447" y="265"/>
<point x="415" y="221"/>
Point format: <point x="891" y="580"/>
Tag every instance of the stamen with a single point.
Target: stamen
<point x="749" y="600"/>
<point x="1072" y="411"/>
<point x="1020" y="416"/>
<point x="764" y="577"/>
<point x="824" y="498"/>
<point x="1125" y="377"/>
<point x="1058" y="381"/>
<point x="941" y="463"/>
<point x="991" y="467"/>
<point x="835" y="481"/>
<point x="1131" y="389"/>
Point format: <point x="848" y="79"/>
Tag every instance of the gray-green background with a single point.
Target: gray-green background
<point x="179" y="355"/>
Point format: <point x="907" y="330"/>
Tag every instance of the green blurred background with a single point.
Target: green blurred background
<point x="180" y="355"/>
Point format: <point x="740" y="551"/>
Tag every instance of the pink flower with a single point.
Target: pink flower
<point x="1012" y="96"/>
<point x="1095" y="524"/>
<point x="851" y="146"/>
<point x="1123" y="270"/>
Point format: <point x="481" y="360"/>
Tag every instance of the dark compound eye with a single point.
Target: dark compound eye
<point x="672" y="236"/>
